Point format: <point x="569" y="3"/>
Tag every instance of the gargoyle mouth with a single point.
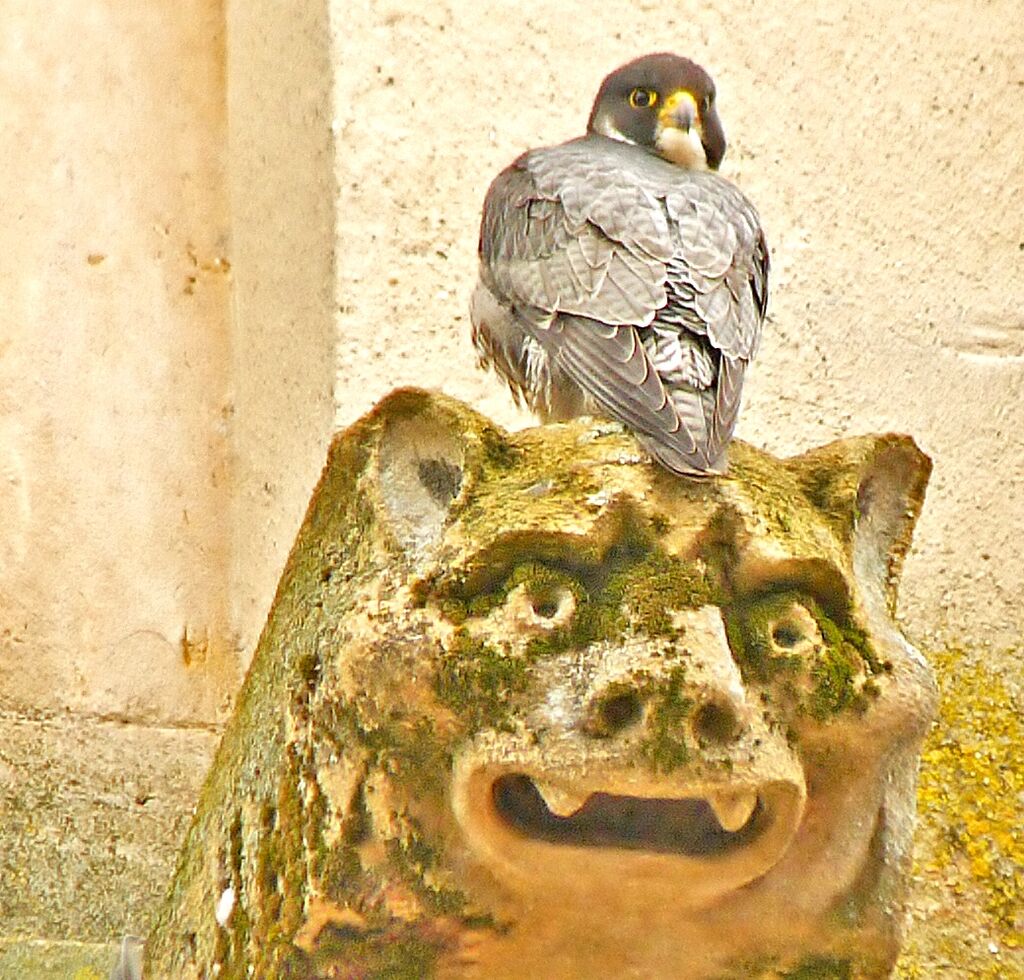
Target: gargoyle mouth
<point x="625" y="833"/>
<point x="695" y="827"/>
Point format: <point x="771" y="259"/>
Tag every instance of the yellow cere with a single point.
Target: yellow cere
<point x="672" y="104"/>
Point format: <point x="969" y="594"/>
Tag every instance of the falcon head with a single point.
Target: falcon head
<point x="666" y="104"/>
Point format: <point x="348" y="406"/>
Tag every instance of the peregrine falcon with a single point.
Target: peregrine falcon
<point x="621" y="276"/>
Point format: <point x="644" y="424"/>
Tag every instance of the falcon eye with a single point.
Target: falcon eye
<point x="642" y="98"/>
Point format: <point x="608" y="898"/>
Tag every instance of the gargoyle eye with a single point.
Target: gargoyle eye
<point x="787" y="635"/>
<point x="546" y="604"/>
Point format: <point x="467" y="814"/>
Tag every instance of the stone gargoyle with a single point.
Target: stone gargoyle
<point x="528" y="706"/>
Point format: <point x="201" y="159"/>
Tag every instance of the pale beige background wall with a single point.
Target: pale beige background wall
<point x="113" y="347"/>
<point x="284" y="205"/>
<point x="224" y="231"/>
<point x="117" y="654"/>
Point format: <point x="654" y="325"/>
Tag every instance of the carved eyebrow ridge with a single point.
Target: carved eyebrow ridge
<point x="573" y="555"/>
<point x="818" y="578"/>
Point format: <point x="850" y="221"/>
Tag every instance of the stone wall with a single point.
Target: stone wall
<point x="117" y="657"/>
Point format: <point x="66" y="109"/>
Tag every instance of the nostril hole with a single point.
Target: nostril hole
<point x="620" y="711"/>
<point x="786" y="635"/>
<point x="716" y="722"/>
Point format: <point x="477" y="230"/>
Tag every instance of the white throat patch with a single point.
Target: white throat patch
<point x="682" y="148"/>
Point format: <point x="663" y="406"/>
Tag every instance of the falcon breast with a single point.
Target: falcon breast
<point x="621" y="276"/>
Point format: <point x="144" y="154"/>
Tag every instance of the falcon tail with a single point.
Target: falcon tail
<point x="683" y="464"/>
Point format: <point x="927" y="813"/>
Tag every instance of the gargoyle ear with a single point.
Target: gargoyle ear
<point x="871" y="490"/>
<point x="427" y="451"/>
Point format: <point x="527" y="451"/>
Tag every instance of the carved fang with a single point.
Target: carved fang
<point x="733" y="809"/>
<point x="561" y="802"/>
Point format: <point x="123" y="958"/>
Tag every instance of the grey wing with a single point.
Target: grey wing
<point x="546" y="258"/>
<point x="717" y="299"/>
<point x="592" y="261"/>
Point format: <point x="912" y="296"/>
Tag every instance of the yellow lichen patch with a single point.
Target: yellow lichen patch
<point x="969" y="870"/>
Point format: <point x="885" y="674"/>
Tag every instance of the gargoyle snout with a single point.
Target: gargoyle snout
<point x="712" y="714"/>
<point x="692" y="691"/>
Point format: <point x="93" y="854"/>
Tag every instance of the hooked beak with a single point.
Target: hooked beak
<point x="686" y="136"/>
<point x="678" y="112"/>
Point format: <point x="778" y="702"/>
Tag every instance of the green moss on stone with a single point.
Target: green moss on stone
<point x="497" y="452"/>
<point x="809" y="968"/>
<point x="848" y="634"/>
<point x="341" y="872"/>
<point x="839" y="671"/>
<point x="406" y="952"/>
<point x="834" y="673"/>
<point x="421" y="864"/>
<point x="542" y="581"/>
<point x="519" y="488"/>
<point x="347" y="721"/>
<point x="455" y="611"/>
<point x="268" y="859"/>
<point x="842" y="671"/>
<point x="279" y="873"/>
<point x="665" y="746"/>
<point x="650" y="585"/>
<point x="478" y="681"/>
<point x="833" y="491"/>
<point x="291" y="826"/>
<point x="821" y="968"/>
<point x="633" y="586"/>
<point x="421" y="759"/>
<point x="749" y="626"/>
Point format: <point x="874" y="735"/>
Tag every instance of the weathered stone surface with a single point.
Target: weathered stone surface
<point x="44" y="960"/>
<point x="89" y="837"/>
<point x="529" y="706"/>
